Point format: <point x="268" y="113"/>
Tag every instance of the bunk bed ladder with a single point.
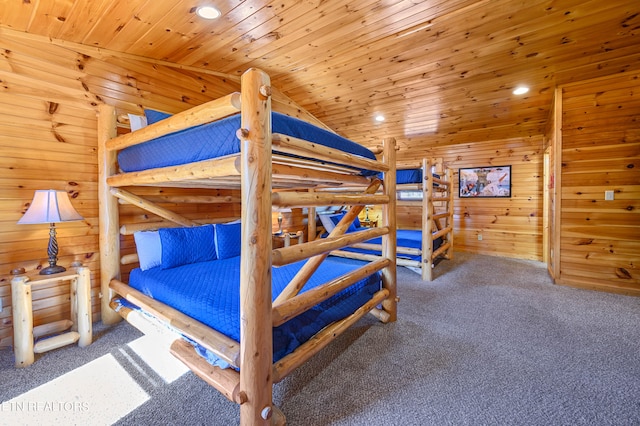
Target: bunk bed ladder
<point x="437" y="216"/>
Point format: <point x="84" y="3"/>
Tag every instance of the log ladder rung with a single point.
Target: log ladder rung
<point x="52" y="328"/>
<point x="56" y="342"/>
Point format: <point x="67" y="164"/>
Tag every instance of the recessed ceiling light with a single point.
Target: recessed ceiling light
<point x="520" y="90"/>
<point x="380" y="118"/>
<point x="208" y="12"/>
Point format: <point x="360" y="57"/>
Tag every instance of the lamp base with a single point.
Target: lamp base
<point x="55" y="269"/>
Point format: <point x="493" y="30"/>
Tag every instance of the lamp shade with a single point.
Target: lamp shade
<point x="50" y="206"/>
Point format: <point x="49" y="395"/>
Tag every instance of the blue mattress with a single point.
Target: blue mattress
<point x="210" y="293"/>
<point x="411" y="176"/>
<point x="407" y="238"/>
<point x="217" y="139"/>
<point x="408" y="176"/>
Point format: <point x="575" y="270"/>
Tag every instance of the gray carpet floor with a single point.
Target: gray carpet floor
<point x="490" y="341"/>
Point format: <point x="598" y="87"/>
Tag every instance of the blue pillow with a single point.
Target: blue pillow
<point x="228" y="241"/>
<point x="338" y="217"/>
<point x="181" y="246"/>
<point x="155" y="116"/>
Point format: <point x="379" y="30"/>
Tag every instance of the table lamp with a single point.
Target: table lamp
<point x="366" y="219"/>
<point x="50" y="206"/>
<point x="279" y="211"/>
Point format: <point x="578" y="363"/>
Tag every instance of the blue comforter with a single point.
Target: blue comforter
<point x="217" y="139"/>
<point x="407" y="238"/>
<point x="210" y="293"/>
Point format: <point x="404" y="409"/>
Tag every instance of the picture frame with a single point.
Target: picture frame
<point x="484" y="182"/>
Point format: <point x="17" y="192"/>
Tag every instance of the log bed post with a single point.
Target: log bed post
<point x="108" y="213"/>
<point x="389" y="241"/>
<point x="427" y="223"/>
<point x="311" y="221"/>
<point x="256" y="346"/>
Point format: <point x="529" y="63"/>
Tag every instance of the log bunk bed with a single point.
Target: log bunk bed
<point x="419" y="250"/>
<point x="437" y="215"/>
<point x="270" y="170"/>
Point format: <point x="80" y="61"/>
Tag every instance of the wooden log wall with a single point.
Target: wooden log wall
<point x="509" y="227"/>
<point x="600" y="149"/>
<point x="48" y="103"/>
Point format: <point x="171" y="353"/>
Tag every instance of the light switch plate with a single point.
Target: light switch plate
<point x="608" y="195"/>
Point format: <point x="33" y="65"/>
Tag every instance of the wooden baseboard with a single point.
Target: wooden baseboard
<point x="608" y="288"/>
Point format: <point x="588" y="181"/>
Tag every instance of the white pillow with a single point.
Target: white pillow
<point x="137" y="122"/>
<point x="149" y="249"/>
<point x="327" y="222"/>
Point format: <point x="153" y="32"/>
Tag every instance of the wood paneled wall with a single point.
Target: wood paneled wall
<point x="508" y="227"/>
<point x="600" y="149"/>
<point x="48" y="99"/>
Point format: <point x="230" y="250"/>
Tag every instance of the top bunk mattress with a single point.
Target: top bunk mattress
<point x="408" y="176"/>
<point x="218" y="139"/>
<point x="411" y="176"/>
<point x="210" y="293"/>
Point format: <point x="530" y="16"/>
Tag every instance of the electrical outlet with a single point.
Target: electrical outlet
<point x="479" y="237"/>
<point x="608" y="195"/>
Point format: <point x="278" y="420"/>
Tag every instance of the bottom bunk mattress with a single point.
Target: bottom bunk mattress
<point x="407" y="238"/>
<point x="210" y="293"/>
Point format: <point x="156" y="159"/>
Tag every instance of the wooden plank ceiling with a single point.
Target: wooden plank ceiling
<point x="440" y="71"/>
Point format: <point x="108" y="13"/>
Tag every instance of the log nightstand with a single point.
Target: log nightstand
<point x="24" y="332"/>
<point x="287" y="237"/>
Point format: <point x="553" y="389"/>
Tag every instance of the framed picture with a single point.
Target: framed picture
<point x="485" y="182"/>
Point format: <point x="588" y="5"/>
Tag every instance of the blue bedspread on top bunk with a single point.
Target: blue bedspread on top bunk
<point x="411" y="176"/>
<point x="217" y="139"/>
<point x="408" y="176"/>
<point x="210" y="293"/>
